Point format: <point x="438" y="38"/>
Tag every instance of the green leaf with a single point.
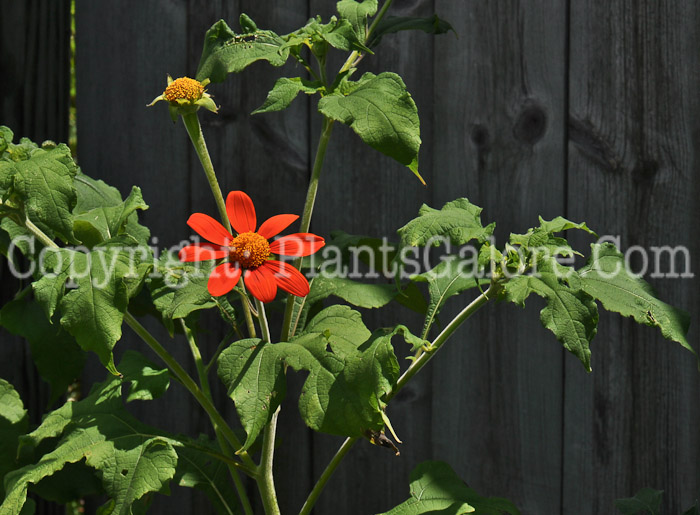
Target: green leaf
<point x="226" y="52"/>
<point x="179" y="289"/>
<point x="362" y="295"/>
<point x="571" y="314"/>
<point x="451" y="277"/>
<point x="148" y="382"/>
<point x="253" y="375"/>
<point x="105" y="222"/>
<point x="49" y="344"/>
<point x="350" y="371"/>
<point x="694" y="509"/>
<point x="607" y="279"/>
<point x="318" y="36"/>
<point x="195" y="469"/>
<point x="382" y="113"/>
<point x="285" y="91"/>
<point x="647" y="500"/>
<point x="540" y="240"/>
<point x="106" y="278"/>
<point x="435" y="488"/>
<point x="44" y="185"/>
<point x="14" y="152"/>
<point x="95" y="195"/>
<point x="391" y="24"/>
<point x="132" y="458"/>
<point x="459" y="220"/>
<point x="14" y="422"/>
<point x="356" y="13"/>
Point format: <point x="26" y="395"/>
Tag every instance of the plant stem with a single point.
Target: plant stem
<point x="41" y="236"/>
<point x="415" y="367"/>
<point x="225" y="449"/>
<point x="326" y="475"/>
<point x="352" y="59"/>
<point x="265" y="475"/>
<point x="326" y="131"/>
<point x="265" y="478"/>
<point x="191" y="386"/>
<point x="194" y="129"/>
<point x="421" y="361"/>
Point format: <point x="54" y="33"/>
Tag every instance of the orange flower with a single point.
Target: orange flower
<point x="249" y="253"/>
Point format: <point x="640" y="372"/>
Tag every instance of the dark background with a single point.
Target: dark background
<point x="586" y="108"/>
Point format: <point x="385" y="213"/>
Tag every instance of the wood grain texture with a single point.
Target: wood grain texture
<point x="499" y="121"/>
<point x="633" y="173"/>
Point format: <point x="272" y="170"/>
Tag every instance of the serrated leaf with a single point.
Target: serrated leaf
<point x="102" y="223"/>
<point x="451" y="277"/>
<point x="459" y="221"/>
<point x="106" y="278"/>
<point x="179" y="289"/>
<point x="132" y="458"/>
<point x="49" y="343"/>
<point x="226" y="52"/>
<point x="647" y="500"/>
<point x="14" y="152"/>
<point x="571" y="313"/>
<point x="541" y="240"/>
<point x="382" y="113"/>
<point x="392" y="24"/>
<point x="285" y="91"/>
<point x="44" y="185"/>
<point x="356" y="13"/>
<point x="253" y="375"/>
<point x="607" y="279"/>
<point x="436" y="488"/>
<point x="13" y="423"/>
<point x="96" y="196"/>
<point x="148" y="382"/>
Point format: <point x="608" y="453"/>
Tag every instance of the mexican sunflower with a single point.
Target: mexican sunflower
<point x="249" y="253"/>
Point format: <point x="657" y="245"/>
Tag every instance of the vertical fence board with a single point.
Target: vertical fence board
<point x="365" y="192"/>
<point x="498" y="141"/>
<point x="633" y="173"/>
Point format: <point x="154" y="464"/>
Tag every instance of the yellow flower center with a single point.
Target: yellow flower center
<point x="249" y="250"/>
<point x="184" y="88"/>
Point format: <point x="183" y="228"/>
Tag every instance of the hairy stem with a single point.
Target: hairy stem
<point x="326" y="131"/>
<point x="415" y="367"/>
<point x="188" y="382"/>
<point x="265" y="476"/>
<point x="326" y="475"/>
<point x="225" y="449"/>
<point x="194" y="130"/>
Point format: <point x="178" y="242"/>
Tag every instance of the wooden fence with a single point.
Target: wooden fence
<point x="588" y="109"/>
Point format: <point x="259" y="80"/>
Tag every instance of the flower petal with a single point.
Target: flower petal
<point x="288" y="278"/>
<point x="297" y="245"/>
<point x="261" y="283"/>
<point x="275" y="225"/>
<point x="241" y="212"/>
<point x="201" y="252"/>
<point x="223" y="278"/>
<point x="209" y="229"/>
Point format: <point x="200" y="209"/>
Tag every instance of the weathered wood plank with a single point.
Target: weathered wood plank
<point x="365" y="192"/>
<point x="498" y="141"/>
<point x="633" y="173"/>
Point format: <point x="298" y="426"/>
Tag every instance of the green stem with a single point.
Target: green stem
<point x="195" y="132"/>
<point x="432" y="349"/>
<point x="194" y="129"/>
<point x="191" y="386"/>
<point x="265" y="474"/>
<point x="326" y="131"/>
<point x="206" y="390"/>
<point x="415" y="367"/>
<point x="353" y="59"/>
<point x="246" y="311"/>
<point x="41" y="236"/>
<point x="266" y="479"/>
<point x="326" y="475"/>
